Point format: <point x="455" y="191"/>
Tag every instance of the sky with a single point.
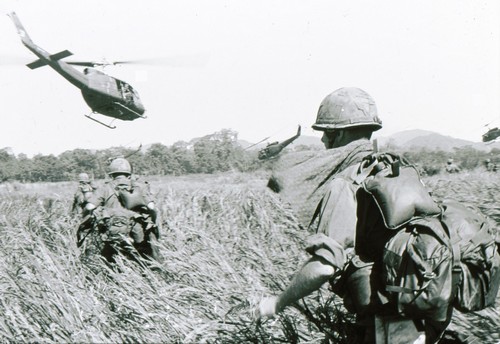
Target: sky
<point x="258" y="67"/>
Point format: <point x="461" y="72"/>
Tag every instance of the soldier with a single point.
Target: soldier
<point x="490" y="167"/>
<point x="451" y="167"/>
<point x="126" y="211"/>
<point x="421" y="170"/>
<point x="347" y="117"/>
<point x="85" y="189"/>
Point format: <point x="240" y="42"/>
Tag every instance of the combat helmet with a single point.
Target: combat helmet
<point x="120" y="165"/>
<point x="83" y="178"/>
<point x="346" y="108"/>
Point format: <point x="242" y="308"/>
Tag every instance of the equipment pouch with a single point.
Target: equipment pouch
<point x="397" y="190"/>
<point x="417" y="269"/>
<point x="118" y="223"/>
<point x="357" y="285"/>
<point x="132" y="199"/>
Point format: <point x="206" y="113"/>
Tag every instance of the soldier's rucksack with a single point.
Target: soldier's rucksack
<point x="119" y="224"/>
<point x="476" y="255"/>
<point x="429" y="251"/>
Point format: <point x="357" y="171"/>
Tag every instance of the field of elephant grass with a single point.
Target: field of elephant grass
<point x="226" y="242"/>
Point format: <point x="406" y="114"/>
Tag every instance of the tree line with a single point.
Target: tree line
<point x="218" y="152"/>
<point x="214" y="153"/>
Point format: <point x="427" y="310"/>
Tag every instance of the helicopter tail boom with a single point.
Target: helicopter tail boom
<point x="20" y="29"/>
<point x="45" y="57"/>
<point x="43" y="62"/>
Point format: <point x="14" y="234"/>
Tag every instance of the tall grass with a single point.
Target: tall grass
<point x="226" y="242"/>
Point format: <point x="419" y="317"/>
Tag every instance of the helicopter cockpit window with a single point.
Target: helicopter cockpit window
<point x="133" y="91"/>
<point x="127" y="92"/>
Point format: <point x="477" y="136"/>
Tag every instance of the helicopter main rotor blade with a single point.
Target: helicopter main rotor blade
<point x="13" y="60"/>
<point x="255" y="144"/>
<point x="196" y="60"/>
<point x="193" y="60"/>
<point x="87" y="63"/>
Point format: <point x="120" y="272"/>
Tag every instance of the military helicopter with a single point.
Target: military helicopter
<point x="103" y="94"/>
<point x="273" y="149"/>
<point x="491" y="134"/>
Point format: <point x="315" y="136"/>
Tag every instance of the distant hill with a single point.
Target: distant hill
<point x="408" y="139"/>
<point x="431" y="140"/>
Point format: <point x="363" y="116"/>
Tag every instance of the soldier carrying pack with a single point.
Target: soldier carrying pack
<point x="423" y="257"/>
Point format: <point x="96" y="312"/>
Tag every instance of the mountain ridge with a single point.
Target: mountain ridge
<point x="407" y="139"/>
<point x="425" y="139"/>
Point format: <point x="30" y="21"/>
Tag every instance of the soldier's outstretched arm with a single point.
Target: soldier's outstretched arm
<point x="313" y="274"/>
<point x="155" y="217"/>
<point x="74" y="205"/>
<point x="90" y="206"/>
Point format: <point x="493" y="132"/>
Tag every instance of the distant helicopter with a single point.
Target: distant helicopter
<point x="491" y="134"/>
<point x="102" y="93"/>
<point x="273" y="149"/>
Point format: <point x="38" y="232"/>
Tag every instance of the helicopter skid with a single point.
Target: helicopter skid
<point x="106" y="125"/>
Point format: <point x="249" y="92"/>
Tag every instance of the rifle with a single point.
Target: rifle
<point x="86" y="224"/>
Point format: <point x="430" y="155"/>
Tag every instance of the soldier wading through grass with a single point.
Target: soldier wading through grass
<point x="124" y="212"/>
<point x="341" y="252"/>
<point x="85" y="189"/>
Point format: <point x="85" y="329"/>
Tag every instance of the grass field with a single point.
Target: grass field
<point x="228" y="242"/>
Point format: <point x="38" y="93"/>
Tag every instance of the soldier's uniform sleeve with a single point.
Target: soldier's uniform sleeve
<point x="146" y="192"/>
<point x="98" y="197"/>
<point x="336" y="223"/>
<point x="76" y="201"/>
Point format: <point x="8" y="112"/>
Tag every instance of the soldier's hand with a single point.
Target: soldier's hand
<point x="266" y="308"/>
<point x="89" y="207"/>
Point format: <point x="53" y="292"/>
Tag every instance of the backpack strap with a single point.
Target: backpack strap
<point x="316" y="213"/>
<point x="374" y="163"/>
<point x="364" y="172"/>
<point x="456" y="271"/>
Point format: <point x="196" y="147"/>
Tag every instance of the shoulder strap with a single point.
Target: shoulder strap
<point x="316" y="213"/>
<point x="374" y="163"/>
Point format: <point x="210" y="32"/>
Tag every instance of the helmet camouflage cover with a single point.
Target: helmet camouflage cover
<point x="345" y="108"/>
<point x="83" y="177"/>
<point x="120" y="165"/>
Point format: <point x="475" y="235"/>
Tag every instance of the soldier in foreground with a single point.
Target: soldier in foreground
<point x="347" y="117"/>
<point x="125" y="213"/>
<point x="85" y="189"/>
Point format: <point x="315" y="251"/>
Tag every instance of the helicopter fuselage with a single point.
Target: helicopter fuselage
<point x="273" y="149"/>
<point x="491" y="134"/>
<point x="110" y="96"/>
<point x="102" y="93"/>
